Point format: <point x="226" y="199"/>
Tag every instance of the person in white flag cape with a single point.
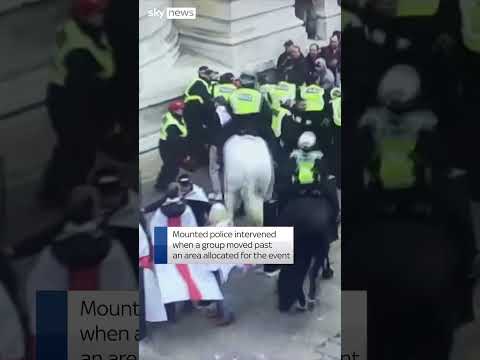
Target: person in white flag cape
<point x="13" y="339"/>
<point x="178" y="283"/>
<point x="81" y="257"/>
<point x="195" y="197"/>
<point x="154" y="307"/>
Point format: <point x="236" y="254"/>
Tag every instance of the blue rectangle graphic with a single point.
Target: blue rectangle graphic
<point x="160" y="245"/>
<point x="52" y="331"/>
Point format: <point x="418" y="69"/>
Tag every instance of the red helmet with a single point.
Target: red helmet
<point x="85" y="8"/>
<point x="176" y="105"/>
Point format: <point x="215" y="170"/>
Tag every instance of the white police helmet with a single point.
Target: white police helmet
<point x="307" y="140"/>
<point x="399" y="86"/>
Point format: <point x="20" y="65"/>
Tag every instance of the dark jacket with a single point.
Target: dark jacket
<point x="310" y="64"/>
<point x="200" y="117"/>
<point x="175" y="145"/>
<point x="281" y="62"/>
<point x="333" y="59"/>
<point x="296" y="71"/>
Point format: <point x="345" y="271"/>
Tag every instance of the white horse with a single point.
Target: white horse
<point x="248" y="176"/>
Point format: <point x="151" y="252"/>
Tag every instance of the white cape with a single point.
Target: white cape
<point x="48" y="274"/>
<point x="197" y="194"/>
<point x="154" y="308"/>
<point x="172" y="285"/>
<point x="12" y="341"/>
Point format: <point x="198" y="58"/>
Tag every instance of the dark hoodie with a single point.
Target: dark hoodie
<point x="173" y="209"/>
<point x="81" y="246"/>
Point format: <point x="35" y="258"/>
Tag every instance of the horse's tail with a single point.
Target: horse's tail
<point x="253" y="203"/>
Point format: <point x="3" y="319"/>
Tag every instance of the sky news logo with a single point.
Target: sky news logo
<point x="183" y="13"/>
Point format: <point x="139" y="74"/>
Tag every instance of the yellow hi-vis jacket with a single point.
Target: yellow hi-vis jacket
<point x="192" y="97"/>
<point x="282" y="92"/>
<point x="336" y="101"/>
<point x="313" y="96"/>
<point x="277" y="120"/>
<point x="224" y="90"/>
<point x="170" y="120"/>
<point x="246" y="101"/>
<point x="71" y="37"/>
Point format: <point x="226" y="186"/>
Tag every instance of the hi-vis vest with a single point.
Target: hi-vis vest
<point x="277" y="118"/>
<point x="169" y="120"/>
<point x="192" y="97"/>
<point x="336" y="101"/>
<point x="470" y="10"/>
<point x="396" y="165"/>
<point x="306" y="171"/>
<point x="224" y="90"/>
<point x="71" y="37"/>
<point x="313" y="96"/>
<point x="282" y="92"/>
<point x="417" y="7"/>
<point x="246" y="101"/>
<point x="267" y="90"/>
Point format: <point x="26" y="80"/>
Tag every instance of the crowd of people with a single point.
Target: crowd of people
<point x="301" y="95"/>
<point x="296" y="109"/>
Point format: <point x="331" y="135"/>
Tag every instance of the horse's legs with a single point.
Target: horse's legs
<point x="327" y="272"/>
<point x="301" y="273"/>
<point x="290" y="282"/>
<point x="231" y="203"/>
<point x="253" y="208"/>
<point x="313" y="276"/>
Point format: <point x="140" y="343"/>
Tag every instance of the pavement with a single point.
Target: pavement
<point x="260" y="331"/>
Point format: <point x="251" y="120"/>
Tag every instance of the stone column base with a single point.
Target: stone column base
<point x="241" y="35"/>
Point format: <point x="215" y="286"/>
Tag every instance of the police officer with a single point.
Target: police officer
<point x="251" y="114"/>
<point x="280" y="118"/>
<point x="173" y="145"/>
<point x="311" y="174"/>
<point x="283" y="92"/>
<point x="199" y="111"/>
<point x="79" y="97"/>
<point x="225" y="87"/>
<point x="309" y="163"/>
<point x="266" y="86"/>
<point x="315" y="98"/>
<point x="335" y="104"/>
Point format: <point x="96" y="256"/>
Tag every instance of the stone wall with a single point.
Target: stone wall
<point x="328" y="17"/>
<point x="241" y="34"/>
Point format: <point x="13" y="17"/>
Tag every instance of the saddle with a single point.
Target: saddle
<point x="309" y="192"/>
